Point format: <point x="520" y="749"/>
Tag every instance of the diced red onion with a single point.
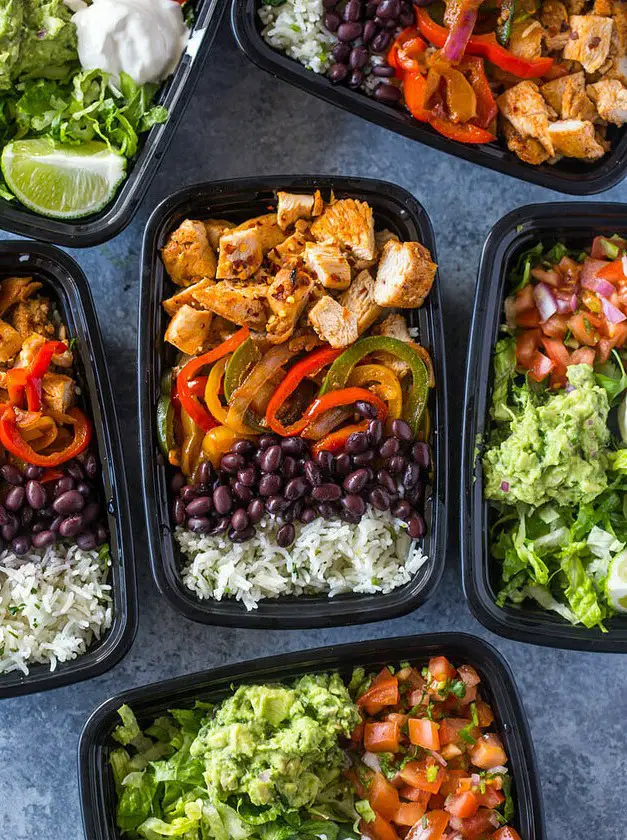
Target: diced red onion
<point x="624" y="262"/>
<point x="475" y="779"/>
<point x="505" y="486"/>
<point x="545" y="301"/>
<point x="499" y="769"/>
<point x="566" y="306"/>
<point x="371" y="761"/>
<point x="591" y="280"/>
<point x="438" y="758"/>
<point x="494" y="820"/>
<point x="552" y="278"/>
<point x="611" y="312"/>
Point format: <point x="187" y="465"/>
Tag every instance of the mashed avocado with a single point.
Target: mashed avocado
<point x="276" y="748"/>
<point x="37" y="39"/>
<point x="555" y="449"/>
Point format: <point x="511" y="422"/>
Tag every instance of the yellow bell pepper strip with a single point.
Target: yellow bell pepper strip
<point x="212" y="399"/>
<point x="217" y="442"/>
<point x="13" y="441"/>
<point x="386" y="386"/>
<point x="414" y="402"/>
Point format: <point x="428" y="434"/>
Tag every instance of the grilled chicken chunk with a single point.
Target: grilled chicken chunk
<point x="554" y="19"/>
<point x="383" y="236"/>
<point x="568" y="98"/>
<point x="186" y="297"/>
<point x="57" y="391"/>
<point x="215" y="228"/>
<point x="359" y="299"/>
<point x="526" y="39"/>
<point x="292" y="206"/>
<point x="188" y="330"/>
<point x="575" y="138"/>
<point x="610" y="98"/>
<point x="243" y="305"/>
<point x="405" y="275"/>
<point x="287" y="298"/>
<point x="187" y="255"/>
<point x="394" y="326"/>
<point x="294" y="245"/>
<point x="15" y="290"/>
<point x="10" y="342"/>
<point x="32" y="345"/>
<point x="526" y="109"/>
<point x="528" y="149"/>
<point x="329" y="265"/>
<point x="31" y="316"/>
<point x="348" y="223"/>
<point x="240" y="254"/>
<point x="589" y="42"/>
<point x="333" y="322"/>
<point x="270" y="234"/>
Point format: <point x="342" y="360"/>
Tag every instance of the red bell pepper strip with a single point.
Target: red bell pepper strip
<point x="405" y="52"/>
<point x="28" y="379"/>
<point x="407" y="34"/>
<point x="185" y="388"/>
<point x="487" y="47"/>
<point x="13" y="441"/>
<point x="473" y="68"/>
<point x="333" y="399"/>
<point x="414" y="89"/>
<point x="337" y="440"/>
<point x="309" y="366"/>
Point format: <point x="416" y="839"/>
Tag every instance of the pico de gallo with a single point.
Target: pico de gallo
<point x="427" y="761"/>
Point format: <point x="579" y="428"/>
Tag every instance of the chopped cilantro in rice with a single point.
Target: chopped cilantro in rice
<point x="296" y="28"/>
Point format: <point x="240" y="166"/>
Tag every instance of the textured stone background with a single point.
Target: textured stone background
<point x="242" y="122"/>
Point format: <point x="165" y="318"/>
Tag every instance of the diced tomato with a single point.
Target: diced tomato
<point x="474" y="828"/>
<point x="415" y="795"/>
<point x="524" y="299"/>
<point x="506" y="833"/>
<point x="527" y="342"/>
<point x="441" y="669"/>
<point x="556" y="326"/>
<point x="613" y="272"/>
<point x="383" y="797"/>
<point x="462" y="804"/>
<point x="358" y="733"/>
<point x="436" y="803"/>
<point x="396" y="717"/>
<point x="408" y="813"/>
<point x="449" y="752"/>
<point x="528" y="318"/>
<point x="450" y="785"/>
<point x="582" y="356"/>
<point x="488" y="752"/>
<point x="383" y="692"/>
<point x="359" y="780"/>
<point x="432" y="827"/>
<point x="424" y="733"/>
<point x="378" y="829"/>
<point x="485" y="714"/>
<point x="449" y="731"/>
<point x="597" y="252"/>
<point x="618" y="333"/>
<point x="585" y="327"/>
<point x="468" y="675"/>
<point x="418" y="697"/>
<point x="557" y="353"/>
<point x="541" y="366"/>
<point x="491" y="797"/>
<point x="381" y="736"/>
<point x="414" y="773"/>
<point x="604" y="349"/>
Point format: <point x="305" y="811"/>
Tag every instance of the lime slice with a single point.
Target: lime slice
<point x="61" y="181"/>
<point x="616" y="584"/>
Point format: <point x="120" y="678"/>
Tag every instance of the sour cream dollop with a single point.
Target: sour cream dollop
<point x="144" y="38"/>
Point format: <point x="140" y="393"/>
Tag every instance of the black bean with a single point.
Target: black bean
<point x="364" y="458"/>
<point x="356" y="79"/>
<point x="327" y="510"/>
<point x="247" y="476"/>
<point x="389" y="9"/>
<point x="389" y="447"/>
<point x="423" y="2"/>
<point x="177" y="482"/>
<point x="386" y="481"/>
<point x="231" y="463"/>
<point x="11" y="474"/>
<point x="295" y="446"/>
<point x="243" y="447"/>
<point x="297" y="508"/>
<point x="31" y="471"/>
<point x="56" y="523"/>
<point x="395" y="464"/>
<point x="383" y="71"/>
<point x="402" y="510"/>
<point x="340" y="53"/>
<point x="421" y="455"/>
<point x="387" y="93"/>
<point x="242" y="492"/>
<point x="44" y="539"/>
<point x="69" y="502"/>
<point x="75" y="470"/>
<point x="220" y="526"/>
<point x="379" y="499"/>
<point x="366" y="409"/>
<point x="270" y="484"/>
<point x="26" y="516"/>
<point x="415" y="495"/>
<point x="276" y="504"/>
<point x="358" y="59"/>
<point x="416" y="526"/>
<point x="222" y="500"/>
<point x="71" y="525"/>
<point x="288" y="468"/>
<point x="102" y="535"/>
<point x="239" y="520"/>
<point x="178" y="512"/>
<point x="356" y="443"/>
<point x="352" y="10"/>
<point x="370" y="30"/>
<point x="285" y="535"/>
<point x="313" y="473"/>
<point x="371" y="9"/>
<point x="326" y="492"/>
<point x="86" y="541"/>
<point x="324" y="459"/>
<point x="308" y="515"/>
<point x="38" y="527"/>
<point x="256" y="510"/>
<point x="349" y="31"/>
<point x="199" y="507"/>
<point x="20" y="545"/>
<point x="188" y="493"/>
<point x="407" y="17"/>
<point x="268" y="440"/>
<point x="379" y="44"/>
<point x="402" y="430"/>
<point x="332" y="21"/>
<point x="91" y="466"/>
<point x="84" y="489"/>
<point x="10" y="529"/>
<point x="199" y="524"/>
<point x="64" y="484"/>
<point x="354" y="504"/>
<point x="343" y="464"/>
<point x="92" y="510"/>
<point x="15" y="498"/>
<point x="411" y="476"/>
<point x="271" y="459"/>
<point x="328" y="4"/>
<point x="4" y="516"/>
<point x="356" y="481"/>
<point x="241" y="536"/>
<point x="296" y="488"/>
<point x="204" y="473"/>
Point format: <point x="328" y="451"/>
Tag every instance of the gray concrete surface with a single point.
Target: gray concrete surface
<point x="242" y="122"/>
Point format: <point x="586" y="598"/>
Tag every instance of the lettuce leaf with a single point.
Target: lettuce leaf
<point x="504" y="366"/>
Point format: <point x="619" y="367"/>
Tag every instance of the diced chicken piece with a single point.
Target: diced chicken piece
<point x="526" y="39"/>
<point x="576" y="139"/>
<point x="405" y="275"/>
<point x="528" y="149"/>
<point x="589" y="41"/>
<point x="329" y="265"/>
<point x="240" y="254"/>
<point x="270" y="234"/>
<point x="567" y="96"/>
<point x="524" y="106"/>
<point x="243" y="305"/>
<point x="33" y="316"/>
<point x="187" y="255"/>
<point x="215" y="228"/>
<point x="603" y="7"/>
<point x="348" y="223"/>
<point x="186" y="297"/>
<point x="295" y="244"/>
<point x="359" y="299"/>
<point x="57" y="391"/>
<point x="383" y="236"/>
<point x="32" y="345"/>
<point x="15" y="290"/>
<point x="334" y="323"/>
<point x="610" y="97"/>
<point x="575" y="7"/>
<point x="554" y="19"/>
<point x="292" y="206"/>
<point x="188" y="330"/>
<point x="10" y="342"/>
<point x="394" y="326"/>
<point x="287" y="298"/>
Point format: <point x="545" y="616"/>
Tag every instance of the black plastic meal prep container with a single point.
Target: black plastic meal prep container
<point x="238" y="200"/>
<point x="174" y="95"/>
<point x="576" y="224"/>
<point x="97" y="789"/>
<point x="67" y="285"/>
<point x="567" y="176"/>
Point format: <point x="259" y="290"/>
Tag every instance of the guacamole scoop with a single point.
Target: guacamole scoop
<point x="556" y="450"/>
<point x="276" y="748"/>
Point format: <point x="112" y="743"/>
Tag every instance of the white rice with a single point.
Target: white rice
<point x="53" y="603"/>
<point x="296" y="28"/>
<point x="377" y="555"/>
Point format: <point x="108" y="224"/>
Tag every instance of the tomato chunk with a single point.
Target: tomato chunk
<point x="585" y="327"/>
<point x="383" y="797"/>
<point x="441" y="669"/>
<point x="491" y="797"/>
<point x="383" y="692"/>
<point x="506" y="833"/>
<point x="424" y="733"/>
<point x="477" y="827"/>
<point x="415" y="795"/>
<point x="431" y="827"/>
<point x="462" y="804"/>
<point x="408" y="813"/>
<point x="378" y="829"/>
<point x="488" y="752"/>
<point x="382" y="736"/>
<point x="450" y="728"/>
<point x="414" y="773"/>
<point x="527" y="342"/>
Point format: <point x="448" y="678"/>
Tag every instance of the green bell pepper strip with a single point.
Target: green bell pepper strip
<point x="504" y="28"/>
<point x="414" y="403"/>
<point x="238" y="367"/>
<point x="165" y="415"/>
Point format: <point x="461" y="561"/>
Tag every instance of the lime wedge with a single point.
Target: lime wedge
<point x="62" y="181"/>
<point x="616" y="583"/>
